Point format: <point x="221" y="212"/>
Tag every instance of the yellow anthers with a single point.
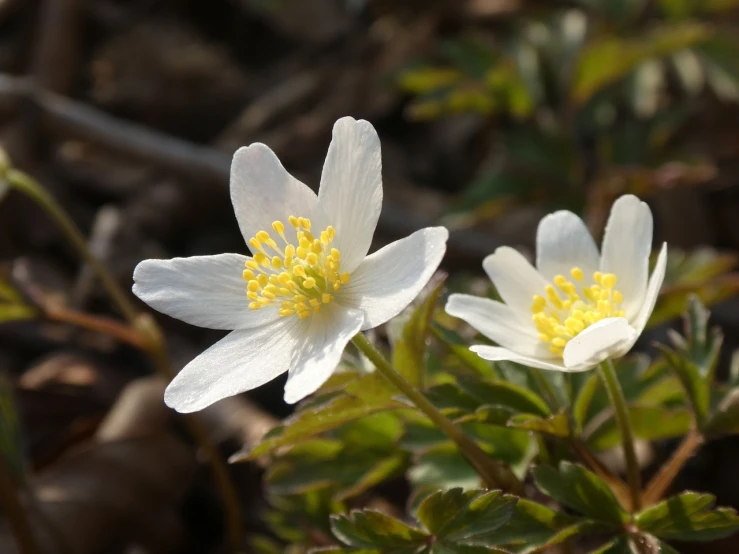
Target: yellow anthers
<point x="300" y="275"/>
<point x="566" y="308"/>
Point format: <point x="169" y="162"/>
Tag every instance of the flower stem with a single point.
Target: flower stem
<point x="659" y="484"/>
<point x="616" y="394"/>
<point x="495" y="474"/>
<point x="31" y="188"/>
<point x="154" y="344"/>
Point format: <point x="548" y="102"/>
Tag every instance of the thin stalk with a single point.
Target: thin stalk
<point x="583" y="453"/>
<point x="30" y="187"/>
<point x="633" y="472"/>
<point x="154" y="346"/>
<point x="493" y="473"/>
<point x="15" y="512"/>
<point x="661" y="482"/>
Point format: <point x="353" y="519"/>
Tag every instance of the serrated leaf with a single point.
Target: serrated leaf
<point x="556" y="425"/>
<point x="375" y="530"/>
<point x="368" y="395"/>
<point x="466" y="517"/>
<point x="504" y="393"/>
<point x="689" y="517"/>
<point x="581" y="490"/>
<point x="534" y="527"/>
<point x="648" y="423"/>
<point x="379" y="472"/>
<point x="410" y="350"/>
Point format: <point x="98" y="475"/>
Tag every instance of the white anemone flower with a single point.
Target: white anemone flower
<point x="309" y="285"/>
<point x="577" y="307"/>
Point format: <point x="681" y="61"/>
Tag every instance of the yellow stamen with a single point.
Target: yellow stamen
<point x="557" y="320"/>
<point x="302" y="278"/>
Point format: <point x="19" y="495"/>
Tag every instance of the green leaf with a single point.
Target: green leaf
<point x="698" y="272"/>
<point x="584" y="399"/>
<point x="556" y="425"/>
<point x="504" y="393"/>
<point x="466" y="517"/>
<point x="442" y="547"/>
<point x="581" y="490"/>
<point x="534" y="527"/>
<point x="348" y="461"/>
<point x="457" y="346"/>
<point x="450" y="399"/>
<point x="442" y="466"/>
<point x="368" y="395"/>
<point x="372" y="529"/>
<point x="649" y="423"/>
<point x="619" y="545"/>
<point x="689" y="517"/>
<point x="611" y="59"/>
<point x="410" y="350"/>
<point x="694" y="358"/>
<point x="725" y="420"/>
<point x="336" y="550"/>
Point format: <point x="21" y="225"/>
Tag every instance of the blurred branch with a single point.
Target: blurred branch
<point x="57" y="43"/>
<point x="191" y="162"/>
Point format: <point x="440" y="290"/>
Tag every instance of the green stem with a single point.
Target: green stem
<point x="633" y="472"/>
<point x="493" y="473"/>
<point x="31" y="188"/>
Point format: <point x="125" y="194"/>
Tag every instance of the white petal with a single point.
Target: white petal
<point x="317" y="358"/>
<point x="262" y="192"/>
<point x="515" y="279"/>
<point x="498" y="354"/>
<point x="627" y="243"/>
<point x="655" y="283"/>
<point x="608" y="338"/>
<point x="207" y="291"/>
<point x="498" y="323"/>
<point x="563" y="242"/>
<point x="388" y="280"/>
<point x="243" y="360"/>
<point x="351" y="188"/>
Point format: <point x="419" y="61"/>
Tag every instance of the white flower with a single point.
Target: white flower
<point x="578" y="307"/>
<point x="309" y="287"/>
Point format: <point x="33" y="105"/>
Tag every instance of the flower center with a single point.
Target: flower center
<point x="300" y="277"/>
<point x="565" y="311"/>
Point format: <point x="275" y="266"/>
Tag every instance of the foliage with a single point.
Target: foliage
<point x="345" y="451"/>
<point x="584" y="101"/>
